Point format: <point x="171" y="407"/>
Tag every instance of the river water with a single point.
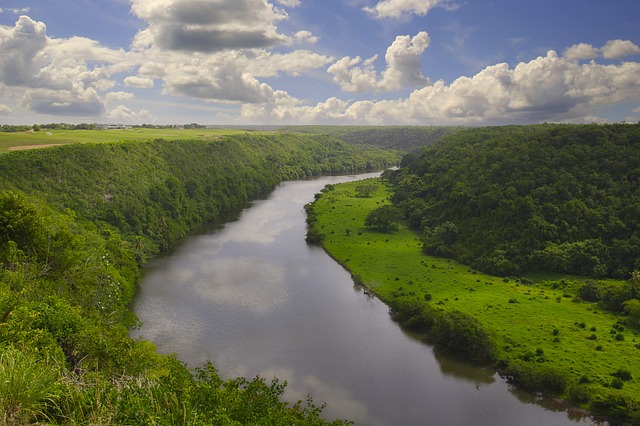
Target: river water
<point x="254" y="298"/>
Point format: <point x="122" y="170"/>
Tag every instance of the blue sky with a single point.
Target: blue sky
<point x="381" y="62"/>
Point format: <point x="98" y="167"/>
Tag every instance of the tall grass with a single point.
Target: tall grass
<point x="27" y="387"/>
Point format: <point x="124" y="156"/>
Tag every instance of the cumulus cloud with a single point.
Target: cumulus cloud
<point x="210" y="25"/>
<point x="266" y="64"/>
<point x="228" y="76"/>
<point x="305" y="37"/>
<point x="402" y="71"/>
<point x="118" y="96"/>
<point x="140" y="82"/>
<point x="399" y="8"/>
<point x="613" y="49"/>
<point x="581" y="51"/>
<point x="544" y="89"/>
<point x="5" y="110"/>
<point x="56" y="76"/>
<point x="618" y="49"/>
<point x="125" y="115"/>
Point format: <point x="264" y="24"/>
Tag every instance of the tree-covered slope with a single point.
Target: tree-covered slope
<point x="76" y="223"/>
<point x="404" y="138"/>
<point x="160" y="190"/>
<point x="563" y="198"/>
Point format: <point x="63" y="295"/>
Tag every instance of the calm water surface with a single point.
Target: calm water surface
<point x="252" y="297"/>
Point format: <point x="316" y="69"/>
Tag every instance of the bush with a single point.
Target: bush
<point x="622" y="374"/>
<point x="461" y="334"/>
<point x="536" y="377"/>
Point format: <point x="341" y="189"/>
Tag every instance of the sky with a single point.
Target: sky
<point x="362" y="62"/>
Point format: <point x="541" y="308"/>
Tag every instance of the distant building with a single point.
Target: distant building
<point x="113" y="126"/>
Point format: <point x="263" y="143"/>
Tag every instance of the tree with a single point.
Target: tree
<point x="366" y="190"/>
<point x="632" y="308"/>
<point x="635" y="283"/>
<point x="386" y="218"/>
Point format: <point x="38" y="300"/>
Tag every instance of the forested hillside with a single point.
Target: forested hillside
<point x="562" y="198"/>
<point x="76" y="223"/>
<point x="404" y="138"/>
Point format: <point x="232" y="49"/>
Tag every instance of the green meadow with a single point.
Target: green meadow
<point x="23" y="140"/>
<point x="536" y="321"/>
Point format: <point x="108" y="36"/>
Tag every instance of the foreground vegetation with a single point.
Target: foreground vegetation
<point x="76" y="224"/>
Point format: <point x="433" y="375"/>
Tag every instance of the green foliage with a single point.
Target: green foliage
<point x="459" y="333"/>
<point x="27" y="387"/>
<point x="76" y="224"/>
<point x="536" y="376"/>
<point x="540" y="325"/>
<point x="365" y="190"/>
<point x="561" y="198"/>
<point x="385" y="218"/>
<point x="405" y="138"/>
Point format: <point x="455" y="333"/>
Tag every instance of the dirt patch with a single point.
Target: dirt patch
<point x="23" y="147"/>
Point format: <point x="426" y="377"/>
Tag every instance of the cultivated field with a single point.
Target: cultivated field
<point x="28" y="140"/>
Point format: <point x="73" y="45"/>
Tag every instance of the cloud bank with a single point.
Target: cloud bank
<point x="237" y="53"/>
<point x="544" y="89"/>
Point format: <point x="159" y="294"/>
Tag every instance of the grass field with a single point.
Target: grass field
<point x="26" y="140"/>
<point x="539" y="322"/>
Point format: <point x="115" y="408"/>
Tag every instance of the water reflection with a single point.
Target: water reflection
<point x="256" y="300"/>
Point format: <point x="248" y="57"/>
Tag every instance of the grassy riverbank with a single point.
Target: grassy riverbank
<point x="545" y="338"/>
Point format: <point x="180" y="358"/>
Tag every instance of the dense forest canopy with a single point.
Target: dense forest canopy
<point x="405" y="138"/>
<point x="562" y="198"/>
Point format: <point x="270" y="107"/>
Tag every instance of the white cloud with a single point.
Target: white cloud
<point x="265" y="64"/>
<point x="118" y="96"/>
<point x="305" y="37"/>
<point x="289" y="3"/>
<point x="15" y="10"/>
<point x="125" y="115"/>
<point x="56" y="76"/>
<point x="618" y="49"/>
<point x="613" y="49"/>
<point x="399" y="8"/>
<point x="210" y="26"/>
<point x="548" y="88"/>
<point x="5" y="110"/>
<point x="140" y="82"/>
<point x="581" y="51"/>
<point x="403" y="68"/>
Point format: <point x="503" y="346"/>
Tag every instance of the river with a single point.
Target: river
<point x="251" y="296"/>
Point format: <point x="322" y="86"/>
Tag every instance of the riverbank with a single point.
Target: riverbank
<point x="545" y="339"/>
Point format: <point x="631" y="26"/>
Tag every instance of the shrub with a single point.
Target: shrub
<point x="622" y="374"/>
<point x="461" y="334"/>
<point x="536" y="377"/>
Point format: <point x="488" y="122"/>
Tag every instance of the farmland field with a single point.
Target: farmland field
<point x="10" y="141"/>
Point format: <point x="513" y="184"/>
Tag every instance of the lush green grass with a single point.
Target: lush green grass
<point x="63" y="137"/>
<point x="522" y="316"/>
